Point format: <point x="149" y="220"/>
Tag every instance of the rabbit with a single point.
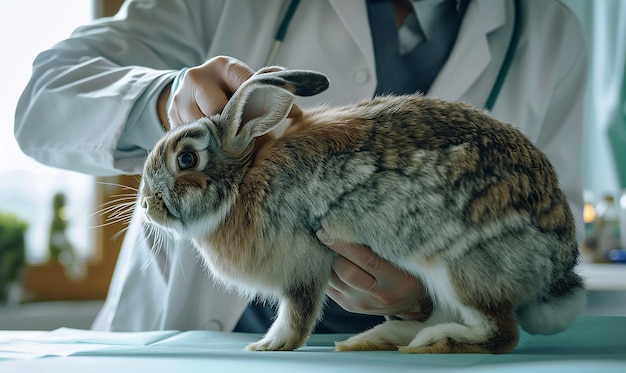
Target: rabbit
<point x="464" y="202"/>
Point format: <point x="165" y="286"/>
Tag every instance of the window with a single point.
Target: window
<point x="27" y="187"/>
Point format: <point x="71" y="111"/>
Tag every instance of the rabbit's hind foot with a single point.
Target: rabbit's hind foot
<point x="384" y="337"/>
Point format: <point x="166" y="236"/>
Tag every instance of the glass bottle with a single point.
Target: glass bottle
<point x="589" y="218"/>
<point x="608" y="229"/>
<point x="618" y="255"/>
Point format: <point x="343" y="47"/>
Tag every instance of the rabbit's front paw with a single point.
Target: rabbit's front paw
<point x="269" y="343"/>
<point x="280" y="337"/>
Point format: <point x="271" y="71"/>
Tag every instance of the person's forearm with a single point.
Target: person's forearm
<point x="91" y="104"/>
<point x="89" y="117"/>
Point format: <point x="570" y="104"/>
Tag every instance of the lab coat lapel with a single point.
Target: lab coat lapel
<point x="472" y="52"/>
<point x="353" y="14"/>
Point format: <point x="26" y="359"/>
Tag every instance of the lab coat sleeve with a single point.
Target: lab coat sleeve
<point x="90" y="105"/>
<point x="561" y="133"/>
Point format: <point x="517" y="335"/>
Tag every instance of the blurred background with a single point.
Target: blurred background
<point x="60" y="273"/>
<point x="57" y="254"/>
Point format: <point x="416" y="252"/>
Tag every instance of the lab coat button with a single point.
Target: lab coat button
<point x="214" y="325"/>
<point x="361" y="76"/>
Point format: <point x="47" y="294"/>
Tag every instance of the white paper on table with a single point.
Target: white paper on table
<point x="66" y="341"/>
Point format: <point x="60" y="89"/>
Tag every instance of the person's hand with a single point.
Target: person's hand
<point x="362" y="282"/>
<point x="204" y="91"/>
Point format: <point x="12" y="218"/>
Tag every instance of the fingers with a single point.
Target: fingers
<point x="233" y="72"/>
<point x="363" y="282"/>
<point x="360" y="255"/>
<point x="204" y="90"/>
<point x="346" y="275"/>
<point x="345" y="295"/>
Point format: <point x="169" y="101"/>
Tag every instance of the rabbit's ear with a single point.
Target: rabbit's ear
<point x="264" y="100"/>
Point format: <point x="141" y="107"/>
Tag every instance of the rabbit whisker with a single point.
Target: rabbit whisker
<point x="120" y="232"/>
<point x="113" y="205"/>
<point x="121" y="211"/>
<point x="122" y="186"/>
<point x="124" y="220"/>
<point x="124" y="196"/>
<point x="156" y="240"/>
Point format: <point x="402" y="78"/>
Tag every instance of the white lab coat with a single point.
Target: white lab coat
<point x="89" y="107"/>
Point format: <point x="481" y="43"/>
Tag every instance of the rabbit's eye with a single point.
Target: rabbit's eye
<point x="187" y="160"/>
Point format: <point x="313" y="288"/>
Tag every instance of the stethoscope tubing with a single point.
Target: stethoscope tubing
<point x="282" y="31"/>
<point x="508" y="57"/>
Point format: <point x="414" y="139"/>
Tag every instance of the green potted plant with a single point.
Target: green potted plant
<point x="12" y="252"/>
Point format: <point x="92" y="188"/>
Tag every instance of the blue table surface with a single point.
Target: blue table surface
<point x="591" y="344"/>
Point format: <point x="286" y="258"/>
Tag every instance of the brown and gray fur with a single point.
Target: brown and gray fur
<point x="462" y="201"/>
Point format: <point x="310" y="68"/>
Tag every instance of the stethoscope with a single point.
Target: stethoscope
<point x="500" y="78"/>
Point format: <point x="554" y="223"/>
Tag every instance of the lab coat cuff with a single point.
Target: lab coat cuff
<point x="175" y="84"/>
<point x="144" y="127"/>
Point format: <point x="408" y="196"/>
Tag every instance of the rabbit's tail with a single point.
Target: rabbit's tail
<point x="555" y="313"/>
